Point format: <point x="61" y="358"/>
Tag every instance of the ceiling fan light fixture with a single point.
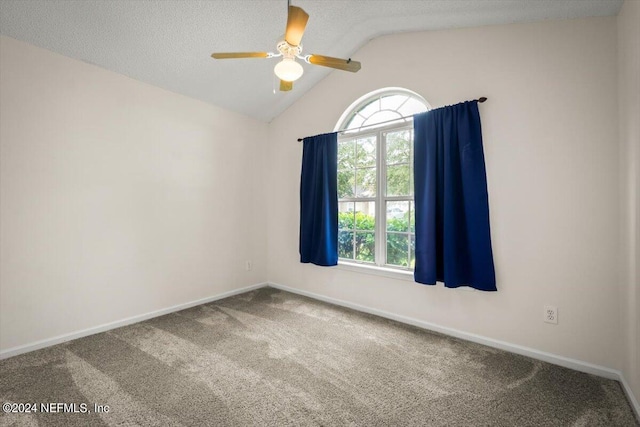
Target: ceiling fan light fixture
<point x="288" y="70"/>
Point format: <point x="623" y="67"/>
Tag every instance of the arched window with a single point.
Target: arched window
<point x="375" y="179"/>
<point x="384" y="106"/>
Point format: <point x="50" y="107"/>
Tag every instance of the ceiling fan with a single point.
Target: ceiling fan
<point x="288" y="70"/>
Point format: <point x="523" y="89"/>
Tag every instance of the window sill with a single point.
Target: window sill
<point x="376" y="271"/>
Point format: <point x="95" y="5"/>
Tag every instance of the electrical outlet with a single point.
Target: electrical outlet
<point x="551" y="314"/>
<point x="247" y="265"/>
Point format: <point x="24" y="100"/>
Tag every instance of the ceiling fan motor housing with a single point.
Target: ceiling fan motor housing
<point x="287" y="50"/>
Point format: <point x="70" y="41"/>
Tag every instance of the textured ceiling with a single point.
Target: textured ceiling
<point x="168" y="43"/>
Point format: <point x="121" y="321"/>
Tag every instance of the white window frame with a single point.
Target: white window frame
<point x="379" y="267"/>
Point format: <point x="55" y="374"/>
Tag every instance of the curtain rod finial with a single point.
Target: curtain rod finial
<point x="482" y="99"/>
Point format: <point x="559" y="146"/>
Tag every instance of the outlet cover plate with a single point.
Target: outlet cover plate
<point x="551" y="314"/>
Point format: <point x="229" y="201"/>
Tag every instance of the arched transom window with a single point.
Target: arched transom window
<point x="390" y="105"/>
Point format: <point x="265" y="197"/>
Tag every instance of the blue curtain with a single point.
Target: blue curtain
<point x="319" y="200"/>
<point x="453" y="243"/>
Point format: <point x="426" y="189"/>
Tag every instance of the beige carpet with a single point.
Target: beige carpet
<point x="269" y="357"/>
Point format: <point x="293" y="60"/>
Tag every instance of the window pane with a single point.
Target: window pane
<point x="370" y="108"/>
<point x="355" y="122"/>
<point x="398" y="147"/>
<point x="382" y="117"/>
<point x="346" y="215"/>
<point x="366" y="151"/>
<point x="346" y="183"/>
<point x="411" y="107"/>
<point x="392" y="102"/>
<point x="346" y="154"/>
<point x="366" y="182"/>
<point x="398" y="249"/>
<point x="412" y="262"/>
<point x="399" y="180"/>
<point x="411" y="189"/>
<point x="412" y="218"/>
<point x="365" y="247"/>
<point x="398" y="216"/>
<point x="366" y="216"/>
<point x="345" y="244"/>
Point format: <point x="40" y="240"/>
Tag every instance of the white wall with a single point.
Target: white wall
<point x="551" y="139"/>
<point x="629" y="108"/>
<point x="117" y="198"/>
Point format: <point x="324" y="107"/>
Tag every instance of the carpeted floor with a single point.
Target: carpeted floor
<point x="269" y="357"/>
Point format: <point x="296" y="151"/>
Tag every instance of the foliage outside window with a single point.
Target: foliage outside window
<point x="375" y="180"/>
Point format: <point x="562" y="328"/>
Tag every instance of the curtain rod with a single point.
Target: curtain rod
<point x="480" y="100"/>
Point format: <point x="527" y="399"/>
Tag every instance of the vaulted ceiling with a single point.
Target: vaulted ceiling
<point x="168" y="43"/>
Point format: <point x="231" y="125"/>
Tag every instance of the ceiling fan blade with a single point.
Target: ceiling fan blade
<point x="337" y="63"/>
<point x="296" y="22"/>
<point x="232" y="55"/>
<point x="285" y="86"/>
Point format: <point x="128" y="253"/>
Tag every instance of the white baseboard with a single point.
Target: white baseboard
<point x="555" y="359"/>
<point x="630" y="396"/>
<point x="14" y="351"/>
